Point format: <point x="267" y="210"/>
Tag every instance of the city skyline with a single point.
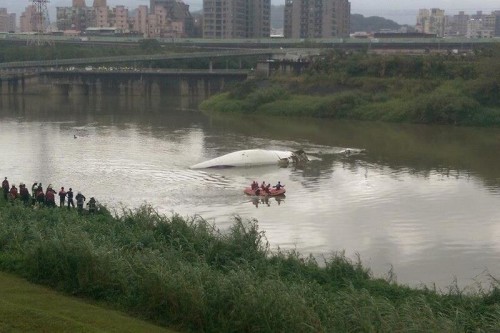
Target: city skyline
<point x="401" y="11"/>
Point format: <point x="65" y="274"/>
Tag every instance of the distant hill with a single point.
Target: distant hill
<point x="371" y="23"/>
<point x="358" y="21"/>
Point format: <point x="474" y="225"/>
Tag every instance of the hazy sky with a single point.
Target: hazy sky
<point x="402" y="11"/>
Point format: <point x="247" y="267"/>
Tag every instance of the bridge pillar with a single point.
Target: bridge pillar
<point x="210" y="66"/>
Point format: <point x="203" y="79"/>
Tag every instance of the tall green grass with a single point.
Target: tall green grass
<point x="186" y="273"/>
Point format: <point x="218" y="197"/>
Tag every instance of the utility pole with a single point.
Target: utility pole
<point x="39" y="21"/>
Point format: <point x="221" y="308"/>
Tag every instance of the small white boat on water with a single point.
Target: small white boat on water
<point x="250" y="157"/>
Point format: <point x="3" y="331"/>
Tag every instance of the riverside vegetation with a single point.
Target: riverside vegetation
<point x="184" y="273"/>
<point x="458" y="89"/>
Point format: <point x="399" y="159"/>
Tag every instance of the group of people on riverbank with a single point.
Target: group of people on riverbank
<point x="40" y="198"/>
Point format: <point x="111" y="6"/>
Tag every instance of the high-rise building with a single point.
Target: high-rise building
<point x="497" y="22"/>
<point x="141" y="20"/>
<point x="100" y="3"/>
<point x="460" y="21"/>
<point x="236" y="18"/>
<point x="101" y="16"/>
<point x="317" y="18"/>
<point x="7" y="21"/>
<point x="74" y="18"/>
<point x="79" y="4"/>
<point x="178" y="13"/>
<point x="27" y="23"/>
<point x="431" y="21"/>
<point x="119" y="18"/>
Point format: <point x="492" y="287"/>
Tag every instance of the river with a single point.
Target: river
<point x="420" y="201"/>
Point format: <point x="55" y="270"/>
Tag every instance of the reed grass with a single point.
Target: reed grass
<point x="184" y="272"/>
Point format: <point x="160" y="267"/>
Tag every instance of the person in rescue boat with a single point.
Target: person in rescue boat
<point x="257" y="191"/>
<point x="268" y="188"/>
<point x="278" y="186"/>
<point x="263" y="185"/>
<point x="254" y="185"/>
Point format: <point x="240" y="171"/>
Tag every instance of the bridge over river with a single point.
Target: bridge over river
<point x="144" y="82"/>
<point x="17" y="65"/>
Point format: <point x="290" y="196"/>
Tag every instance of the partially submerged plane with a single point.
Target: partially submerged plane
<point x="254" y="157"/>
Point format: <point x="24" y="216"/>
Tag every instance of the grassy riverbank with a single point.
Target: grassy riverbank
<point x="438" y="89"/>
<point x="184" y="273"/>
<point x="26" y="307"/>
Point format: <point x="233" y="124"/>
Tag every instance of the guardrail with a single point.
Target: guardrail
<point x="136" y="58"/>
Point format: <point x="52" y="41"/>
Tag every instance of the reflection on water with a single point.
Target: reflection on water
<point x="267" y="201"/>
<point x="423" y="199"/>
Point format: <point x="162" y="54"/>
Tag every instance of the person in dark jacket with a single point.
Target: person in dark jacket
<point x="5" y="188"/>
<point x="69" y="194"/>
<point x="92" y="205"/>
<point x="80" y="199"/>
<point x="24" y="193"/>
<point x="34" y="188"/>
<point x="40" y="196"/>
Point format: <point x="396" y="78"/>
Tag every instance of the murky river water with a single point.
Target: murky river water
<point x="424" y="199"/>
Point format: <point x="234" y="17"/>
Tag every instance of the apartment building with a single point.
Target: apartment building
<point x="120" y="19"/>
<point x="477" y="25"/>
<point x="431" y="21"/>
<point x="141" y="20"/>
<point x="7" y="21"/>
<point x="27" y="23"/>
<point x="460" y="24"/>
<point x="317" y="18"/>
<point x="79" y="4"/>
<point x="178" y="14"/>
<point x="74" y="18"/>
<point x="101" y="10"/>
<point x="236" y="18"/>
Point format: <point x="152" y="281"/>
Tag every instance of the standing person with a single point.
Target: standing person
<point x="5" y="187"/>
<point x="49" y="188"/>
<point x="80" y="198"/>
<point x="69" y="194"/>
<point x="33" y="192"/>
<point x="40" y="196"/>
<point x="50" y="197"/>
<point x="62" y="197"/>
<point x="13" y="192"/>
<point x="24" y="193"/>
<point x="92" y="205"/>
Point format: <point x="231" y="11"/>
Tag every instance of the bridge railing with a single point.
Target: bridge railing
<point x="135" y="58"/>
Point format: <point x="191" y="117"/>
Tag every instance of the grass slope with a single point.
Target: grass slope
<point x="25" y="307"/>
<point x="185" y="273"/>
